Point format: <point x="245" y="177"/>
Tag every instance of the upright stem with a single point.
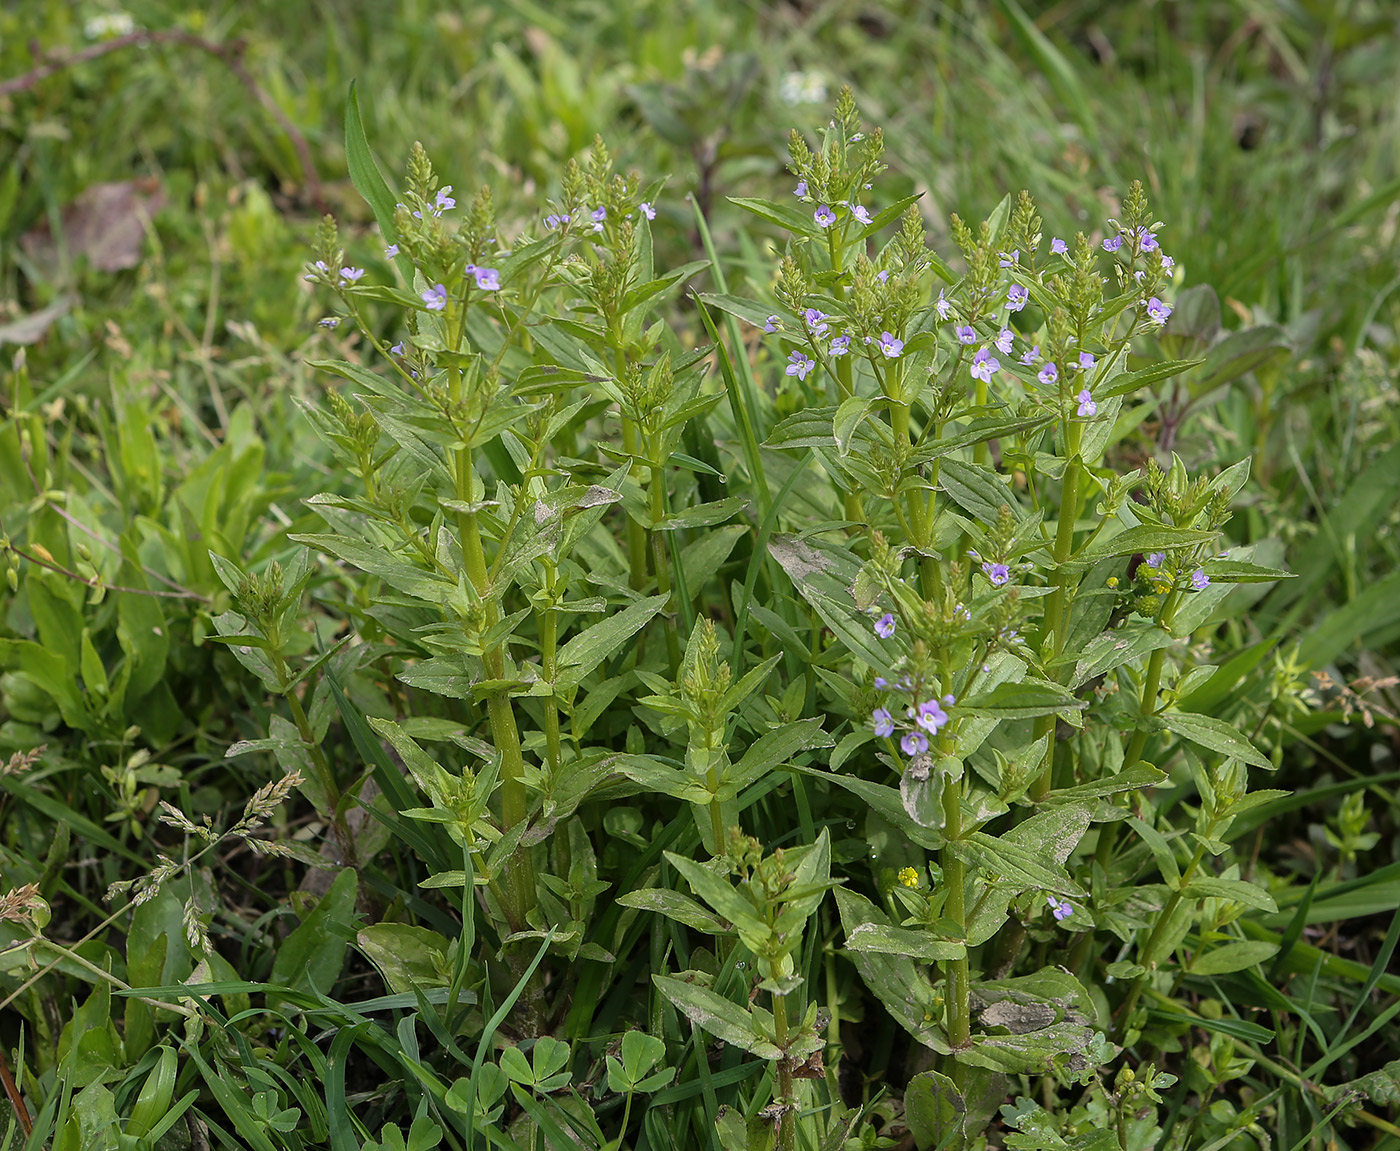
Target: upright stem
<point x="660" y="560"/>
<point x="1055" y="619"/>
<point x="787" y="1131"/>
<point x="505" y="736"/>
<point x="636" y="534"/>
<point x="549" y="651"/>
<point x="956" y="971"/>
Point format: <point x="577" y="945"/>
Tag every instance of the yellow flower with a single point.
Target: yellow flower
<point x="908" y="877"/>
<point x="1112" y="581"/>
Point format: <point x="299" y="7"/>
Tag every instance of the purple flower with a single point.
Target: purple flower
<point x="1112" y="243"/>
<point x="397" y="349"/>
<point x="1060" y="910"/>
<point x="931" y="716"/>
<point x="914" y="743"/>
<point x="772" y="324"/>
<point x="445" y="202"/>
<point x="861" y="213"/>
<point x="598" y="215"/>
<point x="1016" y="297"/>
<point x="983" y="365"/>
<point x="1156" y="559"/>
<point x="1087" y="360"/>
<point x="391" y="251"/>
<point x="824" y="215"/>
<point x="883" y="276"/>
<point x="435" y="298"/>
<point x="1157" y="311"/>
<point x="487" y="279"/>
<point x="351" y="274"/>
<point x="1147" y="242"/>
<point x="890" y="345"/>
<point x="965" y="334"/>
<point x="1048" y="374"/>
<point x="840" y="346"/>
<point x="1031" y="356"/>
<point x="881" y="682"/>
<point x="801" y="189"/>
<point x="329" y="322"/>
<point x="998" y="574"/>
<point x="647" y="210"/>
<point x="1168" y="263"/>
<point x="884" y="626"/>
<point x="1087" y="406"/>
<point x="1057" y="246"/>
<point x="884" y="722"/>
<point x="1199" y="580"/>
<point x="1008" y="259"/>
<point x="799" y="365"/>
<point x="814" y="320"/>
<point x="552" y="221"/>
<point x="1003" y="341"/>
<point x="943" y="305"/>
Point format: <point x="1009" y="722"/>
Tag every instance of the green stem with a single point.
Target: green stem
<point x="1148" y="956"/>
<point x="515" y="802"/>
<point x="661" y="561"/>
<point x="1055" y="621"/>
<point x="956" y="971"/>
<point x="787" y="1131"/>
<point x="549" y="651"/>
<point x="636" y="534"/>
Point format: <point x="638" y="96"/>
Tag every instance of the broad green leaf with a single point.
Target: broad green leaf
<point x="1144" y="538"/>
<point x="1235" y="890"/>
<point x="591" y="646"/>
<point x="312" y="955"/>
<point x="1022" y="700"/>
<point x="903" y="941"/>
<point x="1112" y="649"/>
<point x="674" y="905"/>
<point x="1229" y="957"/>
<point x="720" y="1017"/>
<point x="896" y="981"/>
<point x="1216" y="735"/>
<point x="771" y="750"/>
<point x="406" y="956"/>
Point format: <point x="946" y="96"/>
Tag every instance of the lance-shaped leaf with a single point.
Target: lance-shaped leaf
<point x="898" y="983"/>
<point x="674" y="905"/>
<point x="720" y="894"/>
<point x="720" y="1017"/>
<point x="1215" y="734"/>
<point x="769" y="751"/>
<point x="591" y="646"/>
<point x="1023" y="700"/>
<point x="1035" y="1024"/>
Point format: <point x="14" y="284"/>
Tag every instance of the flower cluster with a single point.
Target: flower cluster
<point x="922" y="719"/>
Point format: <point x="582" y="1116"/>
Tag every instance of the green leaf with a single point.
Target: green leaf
<point x="785" y="217"/>
<point x="771" y="750"/>
<point x="1022" y="700"/>
<point x="887" y="940"/>
<point x="717" y="1015"/>
<point x="1144" y="538"/>
<point x="934" y="1109"/>
<point x="1235" y="890"/>
<point x="1114" y="648"/>
<point x="1231" y="957"/>
<point x="364" y="174"/>
<point x="896" y="981"/>
<point x="406" y="956"/>
<point x="398" y="573"/>
<point x="312" y="955"/>
<point x="1216" y="735"/>
<point x="1237" y="571"/>
<point x="674" y="905"/>
<point x="590" y="647"/>
<point x="1155" y="373"/>
<point x="1035" y="1024"/>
